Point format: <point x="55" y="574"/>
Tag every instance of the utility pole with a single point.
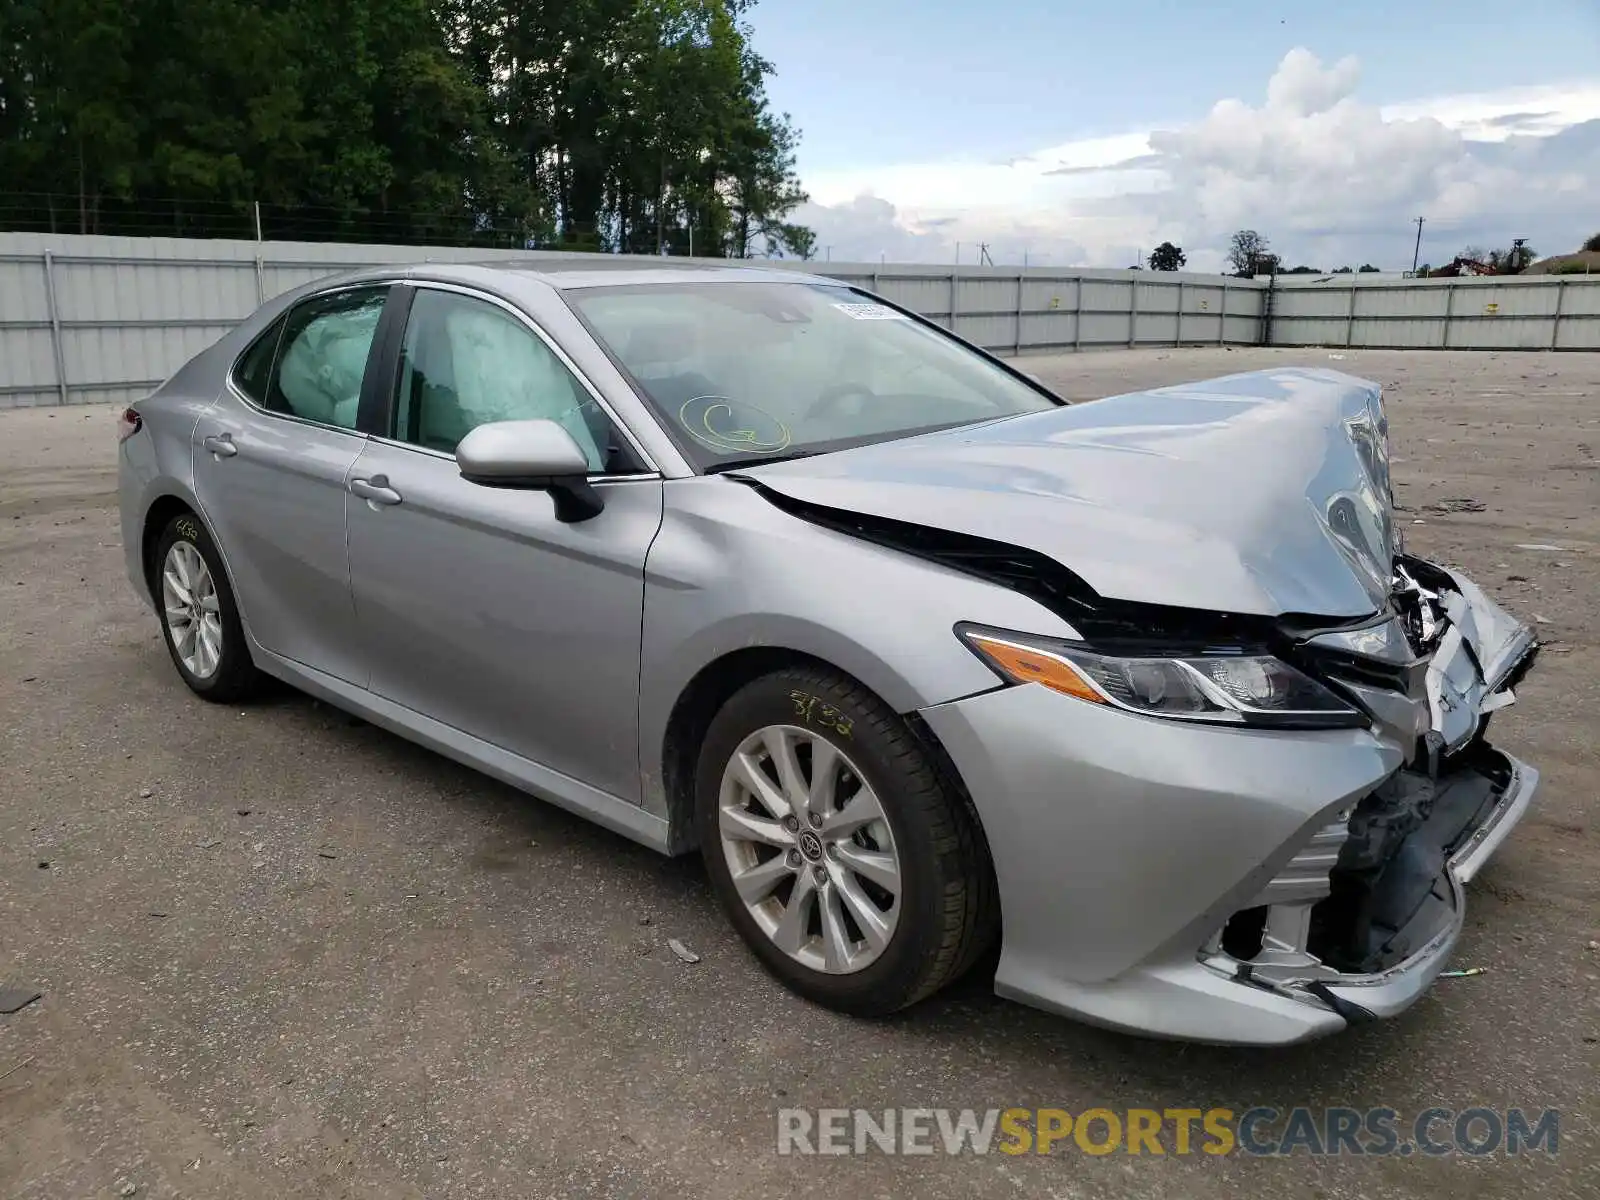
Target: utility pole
<point x="1416" y="254"/>
<point x="983" y="254"/>
<point x="827" y="254"/>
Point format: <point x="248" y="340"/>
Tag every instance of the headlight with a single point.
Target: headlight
<point x="1235" y="689"/>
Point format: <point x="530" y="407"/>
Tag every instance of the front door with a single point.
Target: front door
<point x="477" y="607"/>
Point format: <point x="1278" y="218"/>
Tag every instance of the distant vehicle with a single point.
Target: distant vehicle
<point x="918" y="656"/>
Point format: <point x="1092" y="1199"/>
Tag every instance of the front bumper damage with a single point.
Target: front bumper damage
<point x="1249" y="886"/>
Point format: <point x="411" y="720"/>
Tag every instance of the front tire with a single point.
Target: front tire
<point x="852" y="869"/>
<point x="199" y="617"/>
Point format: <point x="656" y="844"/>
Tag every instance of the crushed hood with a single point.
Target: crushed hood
<point x="1262" y="493"/>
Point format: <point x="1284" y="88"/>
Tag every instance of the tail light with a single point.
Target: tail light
<point x="129" y="422"/>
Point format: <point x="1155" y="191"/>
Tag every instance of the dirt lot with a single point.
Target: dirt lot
<point x="284" y="954"/>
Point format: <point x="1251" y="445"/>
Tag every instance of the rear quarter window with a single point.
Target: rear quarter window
<point x="253" y="372"/>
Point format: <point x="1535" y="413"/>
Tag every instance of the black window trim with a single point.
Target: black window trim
<point x="281" y="323"/>
<point x="382" y="427"/>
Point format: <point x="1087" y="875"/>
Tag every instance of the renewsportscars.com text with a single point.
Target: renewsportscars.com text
<point x="1261" y="1130"/>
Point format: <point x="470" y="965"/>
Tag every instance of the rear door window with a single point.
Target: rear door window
<point x="322" y="356"/>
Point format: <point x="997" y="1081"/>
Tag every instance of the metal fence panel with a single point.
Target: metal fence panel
<point x="113" y="316"/>
<point x="1578" y="333"/>
<point x="1103" y="328"/>
<point x="1101" y="296"/>
<point x="1503" y="333"/>
<point x="1580" y="298"/>
<point x="992" y="331"/>
<point x="27" y="365"/>
<point x="1157" y="297"/>
<point x="1534" y="312"/>
<point x="22" y="294"/>
<point x="1156" y="329"/>
<point x="1403" y="333"/>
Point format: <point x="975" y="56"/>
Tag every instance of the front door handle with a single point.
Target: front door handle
<point x="376" y="490"/>
<point x="221" y="445"/>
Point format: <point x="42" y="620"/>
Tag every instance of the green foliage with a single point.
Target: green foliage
<point x="1368" y="269"/>
<point x="1167" y="257"/>
<point x="591" y="124"/>
<point x="1571" y="268"/>
<point x="1250" y="254"/>
<point x="1592" y="246"/>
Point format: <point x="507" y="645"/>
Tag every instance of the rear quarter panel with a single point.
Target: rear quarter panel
<point x="158" y="461"/>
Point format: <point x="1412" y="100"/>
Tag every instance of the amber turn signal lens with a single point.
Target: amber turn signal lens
<point x="1027" y="665"/>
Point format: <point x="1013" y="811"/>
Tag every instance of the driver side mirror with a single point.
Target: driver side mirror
<point x="535" y="456"/>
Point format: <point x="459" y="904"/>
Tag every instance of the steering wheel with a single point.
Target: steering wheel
<point x="831" y="402"/>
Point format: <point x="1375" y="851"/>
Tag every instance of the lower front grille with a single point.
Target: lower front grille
<point x="1273" y="932"/>
<point x="1305" y="876"/>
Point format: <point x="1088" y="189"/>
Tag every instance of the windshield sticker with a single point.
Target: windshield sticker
<point x="733" y="426"/>
<point x="870" y="312"/>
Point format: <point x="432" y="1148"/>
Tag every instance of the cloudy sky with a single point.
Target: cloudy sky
<point x="1084" y="133"/>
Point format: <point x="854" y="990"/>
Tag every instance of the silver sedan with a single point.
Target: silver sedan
<point x="1147" y="690"/>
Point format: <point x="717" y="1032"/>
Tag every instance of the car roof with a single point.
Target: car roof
<point x="590" y="271"/>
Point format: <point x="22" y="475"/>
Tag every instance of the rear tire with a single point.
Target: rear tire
<point x="199" y="617"/>
<point x="889" y="911"/>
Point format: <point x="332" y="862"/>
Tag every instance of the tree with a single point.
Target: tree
<point x="1592" y="246"/>
<point x="1248" y="254"/>
<point x="1368" y="269"/>
<point x="634" y="125"/>
<point x="1344" y="270"/>
<point x="1303" y="270"/>
<point x="1167" y="257"/>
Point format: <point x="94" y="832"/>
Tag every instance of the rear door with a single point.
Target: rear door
<point x="477" y="606"/>
<point x="271" y="461"/>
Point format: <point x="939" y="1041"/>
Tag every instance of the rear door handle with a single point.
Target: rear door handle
<point x="221" y="445"/>
<point x="376" y="489"/>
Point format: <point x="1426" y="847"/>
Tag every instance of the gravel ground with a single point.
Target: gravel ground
<point x="284" y="954"/>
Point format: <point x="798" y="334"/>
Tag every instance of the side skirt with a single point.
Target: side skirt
<point x="619" y="816"/>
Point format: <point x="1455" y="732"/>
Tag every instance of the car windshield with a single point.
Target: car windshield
<point x="747" y="371"/>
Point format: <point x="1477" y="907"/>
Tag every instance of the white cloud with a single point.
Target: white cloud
<point x="870" y="229"/>
<point x="1328" y="178"/>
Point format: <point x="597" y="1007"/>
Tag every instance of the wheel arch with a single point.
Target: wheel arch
<point x="715" y="684"/>
<point x="157" y="517"/>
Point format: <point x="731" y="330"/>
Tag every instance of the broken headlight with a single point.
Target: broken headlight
<point x="1233" y="689"/>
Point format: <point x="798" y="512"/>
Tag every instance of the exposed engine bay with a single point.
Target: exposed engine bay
<point x="1371" y="889"/>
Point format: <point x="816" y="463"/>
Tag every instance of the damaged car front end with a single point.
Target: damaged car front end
<point x="1366" y="911"/>
<point x="1239" y="803"/>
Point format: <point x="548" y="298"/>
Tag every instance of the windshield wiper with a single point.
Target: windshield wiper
<point x="759" y="460"/>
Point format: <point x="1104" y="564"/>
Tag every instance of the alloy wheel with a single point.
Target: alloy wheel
<point x="192" y="612"/>
<point x="809" y="849"/>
